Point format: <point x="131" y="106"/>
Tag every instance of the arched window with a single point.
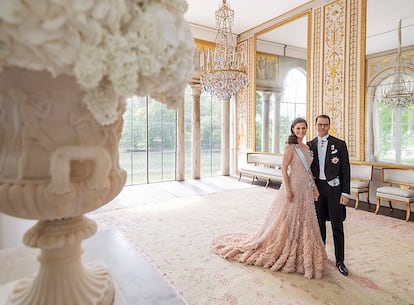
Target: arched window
<point x="393" y="129"/>
<point x="293" y="102"/>
<point x="275" y="110"/>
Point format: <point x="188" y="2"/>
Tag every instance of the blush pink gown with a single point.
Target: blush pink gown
<point x="289" y="239"/>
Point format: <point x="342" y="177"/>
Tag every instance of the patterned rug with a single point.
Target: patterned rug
<point x="379" y="253"/>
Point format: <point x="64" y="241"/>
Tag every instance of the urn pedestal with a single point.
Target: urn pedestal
<point x="56" y="164"/>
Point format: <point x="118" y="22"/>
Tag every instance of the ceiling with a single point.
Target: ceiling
<point x="382" y="20"/>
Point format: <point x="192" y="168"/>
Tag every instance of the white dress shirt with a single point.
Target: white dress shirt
<point x="322" y="145"/>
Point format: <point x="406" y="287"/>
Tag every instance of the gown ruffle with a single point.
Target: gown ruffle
<point x="289" y="239"/>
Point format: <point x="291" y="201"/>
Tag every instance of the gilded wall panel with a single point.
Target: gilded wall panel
<point x="242" y="106"/>
<point x="200" y="56"/>
<point x="334" y="65"/>
<point x="337" y="84"/>
<point x="351" y="115"/>
<point x="354" y="104"/>
<point x="251" y="107"/>
<point x="315" y="101"/>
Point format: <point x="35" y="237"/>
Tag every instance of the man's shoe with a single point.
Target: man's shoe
<point x="342" y="269"/>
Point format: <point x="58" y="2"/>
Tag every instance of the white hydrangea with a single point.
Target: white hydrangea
<point x="114" y="48"/>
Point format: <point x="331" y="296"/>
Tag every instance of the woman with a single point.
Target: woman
<point x="289" y="240"/>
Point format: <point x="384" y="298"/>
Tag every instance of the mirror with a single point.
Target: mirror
<point x="281" y="81"/>
<point x="389" y="123"/>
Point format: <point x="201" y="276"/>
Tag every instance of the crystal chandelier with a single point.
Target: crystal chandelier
<point x="400" y="93"/>
<point x="224" y="72"/>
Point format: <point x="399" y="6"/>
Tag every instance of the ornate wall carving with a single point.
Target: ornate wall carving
<point x="352" y="114"/>
<point x="242" y="105"/>
<point x="251" y="107"/>
<point x="333" y="72"/>
<point x="337" y="77"/>
<point x="315" y="100"/>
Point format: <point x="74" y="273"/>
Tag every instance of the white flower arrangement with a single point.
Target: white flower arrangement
<point x="114" y="48"/>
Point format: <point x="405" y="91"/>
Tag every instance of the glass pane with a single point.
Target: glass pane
<point x="210" y="132"/>
<point x="133" y="141"/>
<point x="395" y="130"/>
<point x="161" y="142"/>
<point x="215" y="137"/>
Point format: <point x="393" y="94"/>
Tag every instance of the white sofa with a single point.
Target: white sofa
<point x="262" y="166"/>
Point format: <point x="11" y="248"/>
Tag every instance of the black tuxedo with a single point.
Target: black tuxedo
<point x="336" y="150"/>
<point x="337" y="172"/>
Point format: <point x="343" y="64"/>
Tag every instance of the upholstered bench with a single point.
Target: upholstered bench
<point x="262" y="165"/>
<point x="399" y="191"/>
<point x="361" y="176"/>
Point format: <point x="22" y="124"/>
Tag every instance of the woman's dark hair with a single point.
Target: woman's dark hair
<point x="293" y="139"/>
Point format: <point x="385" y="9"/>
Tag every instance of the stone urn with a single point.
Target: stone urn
<point x="56" y="164"/>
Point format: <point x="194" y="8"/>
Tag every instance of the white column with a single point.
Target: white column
<point x="180" y="154"/>
<point x="225" y="137"/>
<point x="265" y="120"/>
<point x="196" y="138"/>
<point x="233" y="136"/>
<point x="276" y="123"/>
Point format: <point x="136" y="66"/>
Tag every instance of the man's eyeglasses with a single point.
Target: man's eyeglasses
<point x="322" y="125"/>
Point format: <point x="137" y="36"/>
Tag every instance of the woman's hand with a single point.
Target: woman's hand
<point x="315" y="193"/>
<point x="289" y="195"/>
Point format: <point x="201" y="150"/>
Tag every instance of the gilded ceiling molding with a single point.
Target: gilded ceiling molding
<point x="334" y="65"/>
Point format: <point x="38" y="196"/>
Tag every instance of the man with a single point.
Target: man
<point x="331" y="170"/>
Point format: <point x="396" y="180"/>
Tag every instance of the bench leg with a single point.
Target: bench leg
<point x="390" y="204"/>
<point x="254" y="177"/>
<point x="267" y="182"/>
<point x="378" y="205"/>
<point x="239" y="177"/>
<point x="356" y="201"/>
<point x="407" y="217"/>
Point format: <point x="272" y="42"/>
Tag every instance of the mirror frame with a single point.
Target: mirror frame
<point x="307" y="13"/>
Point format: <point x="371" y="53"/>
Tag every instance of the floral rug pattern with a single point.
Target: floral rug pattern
<point x="379" y="253"/>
